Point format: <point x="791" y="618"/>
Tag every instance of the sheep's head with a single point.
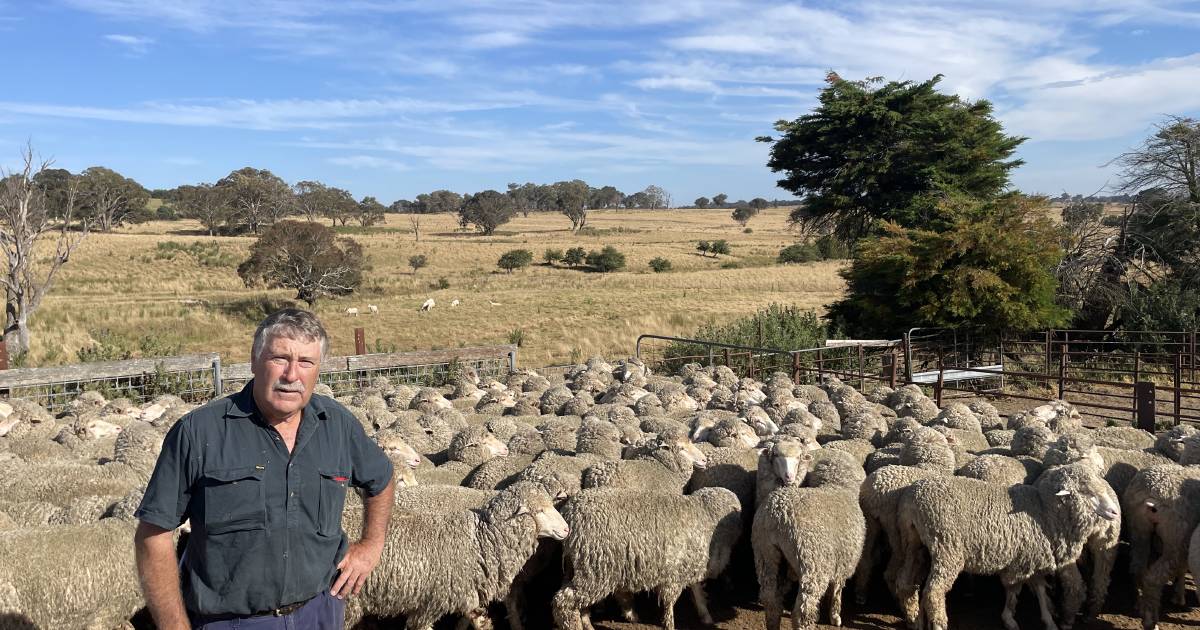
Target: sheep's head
<point x="901" y="430"/>
<point x="761" y="422"/>
<point x="398" y="450"/>
<point x="701" y="426"/>
<point x="789" y="459"/>
<point x="682" y="449"/>
<point x="1074" y="448"/>
<point x="1080" y="483"/>
<point x="527" y="499"/>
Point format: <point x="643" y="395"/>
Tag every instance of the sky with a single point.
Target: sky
<point x="396" y="98"/>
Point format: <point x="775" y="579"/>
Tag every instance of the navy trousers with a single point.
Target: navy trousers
<point x="323" y="612"/>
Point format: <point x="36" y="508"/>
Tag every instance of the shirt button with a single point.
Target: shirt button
<point x="291" y="494"/>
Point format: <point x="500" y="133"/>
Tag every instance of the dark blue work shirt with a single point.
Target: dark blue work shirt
<point x="266" y="525"/>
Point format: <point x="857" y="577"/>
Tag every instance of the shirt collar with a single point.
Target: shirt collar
<point x="241" y="404"/>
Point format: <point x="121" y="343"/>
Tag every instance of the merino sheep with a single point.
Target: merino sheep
<point x="783" y="462"/>
<point x="1162" y="508"/>
<point x="818" y="532"/>
<point x="353" y="311"/>
<point x="427" y="305"/>
<point x="631" y="540"/>
<point x="666" y="465"/>
<point x="372" y="309"/>
<point x="1130" y="438"/>
<point x="1170" y="442"/>
<point x="1020" y="533"/>
<point x="458" y="562"/>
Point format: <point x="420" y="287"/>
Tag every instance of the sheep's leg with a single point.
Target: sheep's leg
<point x="1010" y="605"/>
<point x="701" y="603"/>
<point x="567" y="606"/>
<point x="766" y="563"/>
<point x="908" y="582"/>
<point x="807" y="606"/>
<point x="668" y="594"/>
<point x="421" y="620"/>
<point x="942" y="573"/>
<point x="1104" y="555"/>
<point x="1152" y="584"/>
<point x="625" y="601"/>
<point x="1180" y="598"/>
<point x="1074" y="592"/>
<point x="512" y="610"/>
<point x="1038" y="584"/>
<point x="862" y="573"/>
<point x="835" y="602"/>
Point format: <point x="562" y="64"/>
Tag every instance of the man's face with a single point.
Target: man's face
<point x="285" y="375"/>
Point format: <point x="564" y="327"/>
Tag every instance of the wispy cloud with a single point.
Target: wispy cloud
<point x="368" y="162"/>
<point x="135" y="44"/>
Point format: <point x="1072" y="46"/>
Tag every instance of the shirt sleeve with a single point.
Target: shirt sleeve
<point x="169" y="493"/>
<point x="371" y="469"/>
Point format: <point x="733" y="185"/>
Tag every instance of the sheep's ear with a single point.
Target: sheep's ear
<point x="521" y="510"/>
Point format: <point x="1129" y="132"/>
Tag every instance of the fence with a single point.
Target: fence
<point x="201" y="377"/>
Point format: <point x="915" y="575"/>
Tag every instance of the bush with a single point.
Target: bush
<point x="575" y="256"/>
<point x="515" y="259"/>
<point x="606" y="260"/>
<point x="418" y="261"/>
<point x="516" y="337"/>
<point x="776" y="326"/>
<point x="833" y="248"/>
<point x="660" y="265"/>
<point x="307" y="257"/>
<point x="748" y="230"/>
<point x="553" y="256"/>
<point x="799" y="253"/>
<point x="719" y="247"/>
<point x="441" y="283"/>
<point x="703" y="247"/>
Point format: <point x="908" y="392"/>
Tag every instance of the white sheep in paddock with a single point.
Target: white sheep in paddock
<point x="353" y="310"/>
<point x="427" y="305"/>
<point x="454" y="302"/>
<point x="372" y="309"/>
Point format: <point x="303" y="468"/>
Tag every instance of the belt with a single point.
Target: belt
<point x="282" y="611"/>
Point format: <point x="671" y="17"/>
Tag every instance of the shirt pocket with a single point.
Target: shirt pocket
<point x="333" y="499"/>
<point x="234" y="500"/>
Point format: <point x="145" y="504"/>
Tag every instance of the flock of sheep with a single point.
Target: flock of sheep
<point x="425" y="307"/>
<point x="617" y="481"/>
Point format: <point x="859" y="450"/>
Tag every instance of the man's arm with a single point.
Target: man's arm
<point x="158" y="572"/>
<point x="362" y="556"/>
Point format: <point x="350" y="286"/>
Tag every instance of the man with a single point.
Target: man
<point x="262" y="475"/>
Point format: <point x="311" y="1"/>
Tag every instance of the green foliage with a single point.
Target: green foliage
<point x="874" y="152"/>
<point x="799" y="253"/>
<point x="748" y="230"/>
<point x="552" y="256"/>
<point x="307" y="257"/>
<point x="380" y="347"/>
<point x="515" y="259"/>
<point x="1170" y="304"/>
<point x="702" y="202"/>
<point x="703" y="247"/>
<point x="575" y="256"/>
<point x="606" y="260"/>
<point x="109" y="346"/>
<point x="206" y="253"/>
<point x="833" y="248"/>
<point x="720" y="199"/>
<point x="660" y="264"/>
<point x="775" y="326"/>
<point x="743" y="214"/>
<point x="441" y="283"/>
<point x="719" y="247"/>
<point x="516" y="337"/>
<point x="417" y="261"/>
<point x="487" y="210"/>
<point x="992" y="268"/>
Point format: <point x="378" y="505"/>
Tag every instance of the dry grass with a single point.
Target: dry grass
<point x="121" y="282"/>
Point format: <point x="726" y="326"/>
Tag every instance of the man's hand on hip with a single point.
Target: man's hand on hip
<point x="361" y="558"/>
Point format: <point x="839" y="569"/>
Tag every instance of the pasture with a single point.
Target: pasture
<point x="165" y="287"/>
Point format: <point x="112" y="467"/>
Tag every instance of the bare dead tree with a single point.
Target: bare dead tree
<point x="26" y="229"/>
<point x="1168" y="160"/>
<point x="414" y="220"/>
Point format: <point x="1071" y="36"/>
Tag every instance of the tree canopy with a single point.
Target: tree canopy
<point x="305" y="256"/>
<point x="874" y="151"/>
<point x="990" y="267"/>
<point x="487" y="210"/>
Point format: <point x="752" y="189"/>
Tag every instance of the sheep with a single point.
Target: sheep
<point x="1130" y="438"/>
<point x="1003" y="470"/>
<point x="626" y="541"/>
<point x="1170" y="442"/>
<point x="1162" y="508"/>
<point x="372" y="309"/>
<point x="733" y="432"/>
<point x="988" y="415"/>
<point x="865" y="425"/>
<point x="819" y="532"/>
<point x="958" y="416"/>
<point x="910" y="401"/>
<point x="1120" y="465"/>
<point x="860" y="449"/>
<point x="352" y="311"/>
<point x="427" y="305"/>
<point x="600" y="438"/>
<point x="70" y="576"/>
<point x="1020" y="533"/>
<point x="425" y="500"/>
<point x="458" y="562"/>
<point x="666" y="465"/>
<point x="783" y="462"/>
<point x="730" y="467"/>
<point x="454" y="303"/>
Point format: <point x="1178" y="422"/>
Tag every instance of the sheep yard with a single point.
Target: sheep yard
<point x="167" y="287"/>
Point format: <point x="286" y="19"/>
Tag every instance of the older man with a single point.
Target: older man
<point x="262" y="475"/>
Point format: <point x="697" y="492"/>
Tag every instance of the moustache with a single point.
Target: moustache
<point x="289" y="387"/>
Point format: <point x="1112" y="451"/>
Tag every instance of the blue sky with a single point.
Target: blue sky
<point x="394" y="98"/>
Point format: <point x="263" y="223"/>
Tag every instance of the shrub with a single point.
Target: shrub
<point x="307" y="257"/>
<point x="606" y="260"/>
<point x="553" y="256"/>
<point x="703" y="247"/>
<point x="719" y="247"/>
<point x="831" y="247"/>
<point x="516" y="337"/>
<point x="417" y="261"/>
<point x="441" y="283"/>
<point x="515" y="259"/>
<point x="776" y="326"/>
<point x="799" y="253"/>
<point x="575" y="256"/>
<point x="748" y="230"/>
<point x="660" y="265"/>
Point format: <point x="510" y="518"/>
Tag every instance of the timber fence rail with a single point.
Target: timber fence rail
<point x="201" y="377"/>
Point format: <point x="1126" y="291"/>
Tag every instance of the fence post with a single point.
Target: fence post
<point x="1048" y="353"/>
<point x="3" y="356"/>
<point x="1178" y="385"/>
<point x="512" y="359"/>
<point x="862" y="369"/>
<point x="889" y="369"/>
<point x="1062" y="372"/>
<point x="796" y="368"/>
<point x="906" y="344"/>
<point x="750" y="364"/>
<point x="710" y="356"/>
<point x="1143" y="402"/>
<point x="218" y="388"/>
<point x="937" y="389"/>
<point x="820" y="367"/>
<point x="360" y="341"/>
<point x="1001" y="357"/>
<point x="727" y="358"/>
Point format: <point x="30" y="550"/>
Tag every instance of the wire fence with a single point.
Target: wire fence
<point x="199" y="378"/>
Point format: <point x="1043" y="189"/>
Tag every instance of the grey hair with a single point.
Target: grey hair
<point x="292" y="323"/>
